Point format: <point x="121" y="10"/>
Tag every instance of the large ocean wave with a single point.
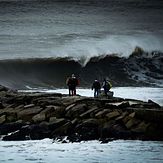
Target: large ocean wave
<point x="139" y="69"/>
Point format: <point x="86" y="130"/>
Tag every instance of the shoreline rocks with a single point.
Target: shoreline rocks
<point x="25" y="116"/>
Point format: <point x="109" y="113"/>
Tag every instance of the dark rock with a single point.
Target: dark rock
<point x="124" y="105"/>
<point x="1" y="105"/>
<point x="63" y="130"/>
<point x="22" y="134"/>
<point x="55" y="123"/>
<point x="76" y="110"/>
<point x="2" y="119"/>
<point x="10" y="127"/>
<point x="112" y="114"/>
<point x="154" y="104"/>
<point x="77" y="118"/>
<point x="88" y="129"/>
<point x="28" y="113"/>
<point x="132" y="122"/>
<point x="37" y="132"/>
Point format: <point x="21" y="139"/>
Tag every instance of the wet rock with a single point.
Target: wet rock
<point x="2" y="119"/>
<point x="102" y="113"/>
<point x="150" y="115"/>
<point x="28" y="113"/>
<point x="1" y="105"/>
<point x="124" y="105"/>
<point x="29" y="106"/>
<point x="11" y="127"/>
<point x="154" y="104"/>
<point x="132" y="122"/>
<point x="76" y="110"/>
<point x="141" y="127"/>
<point x="122" y="116"/>
<point x="39" y="118"/>
<point x="88" y="129"/>
<point x="36" y="116"/>
<point x="22" y="134"/>
<point x="63" y="130"/>
<point x="87" y="113"/>
<point x="55" y="123"/>
<point x="113" y="114"/>
<point x="132" y="115"/>
<point x="37" y="132"/>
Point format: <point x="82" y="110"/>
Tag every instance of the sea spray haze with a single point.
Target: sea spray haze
<point x="46" y="29"/>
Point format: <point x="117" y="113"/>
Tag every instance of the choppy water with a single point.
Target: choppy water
<point x="45" y="151"/>
<point x="139" y="93"/>
<point x="49" y="28"/>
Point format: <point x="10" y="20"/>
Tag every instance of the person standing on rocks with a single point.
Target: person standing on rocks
<point x="72" y="82"/>
<point x="97" y="87"/>
<point x="107" y="86"/>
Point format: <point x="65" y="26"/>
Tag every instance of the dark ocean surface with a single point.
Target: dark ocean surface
<point x="39" y="31"/>
<point x="50" y="28"/>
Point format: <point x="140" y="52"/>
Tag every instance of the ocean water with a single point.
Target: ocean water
<point x="50" y="28"/>
<point x="81" y="29"/>
<point x="139" y="93"/>
<point x="47" y="151"/>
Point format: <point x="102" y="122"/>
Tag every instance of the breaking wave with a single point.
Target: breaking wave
<point x="53" y="72"/>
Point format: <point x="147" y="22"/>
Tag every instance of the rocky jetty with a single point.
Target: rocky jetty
<point x="25" y="116"/>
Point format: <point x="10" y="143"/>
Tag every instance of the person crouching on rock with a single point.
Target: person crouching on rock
<point x="107" y="86"/>
<point x="72" y="83"/>
<point x="97" y="87"/>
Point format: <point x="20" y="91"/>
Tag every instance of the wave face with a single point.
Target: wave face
<point x="140" y="69"/>
<point x="63" y="28"/>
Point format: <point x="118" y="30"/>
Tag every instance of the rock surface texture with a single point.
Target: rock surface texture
<point x="25" y="116"/>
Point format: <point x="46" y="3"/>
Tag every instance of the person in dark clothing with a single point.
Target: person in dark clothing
<point x="96" y="86"/>
<point x="107" y="86"/>
<point x="72" y="82"/>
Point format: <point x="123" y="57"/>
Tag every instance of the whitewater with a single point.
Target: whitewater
<point x="47" y="151"/>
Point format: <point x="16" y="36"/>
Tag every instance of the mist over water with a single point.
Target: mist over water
<point x="42" y="29"/>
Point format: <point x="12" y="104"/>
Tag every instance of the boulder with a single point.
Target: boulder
<point x="124" y="105"/>
<point x="2" y="119"/>
<point x="132" y="122"/>
<point x="39" y="118"/>
<point x="102" y="113"/>
<point x="11" y="127"/>
<point x="113" y="114"/>
<point x="88" y="129"/>
<point x="29" y="106"/>
<point x="122" y="116"/>
<point x="22" y="134"/>
<point x="141" y="127"/>
<point x="76" y="110"/>
<point x="28" y="113"/>
<point x="37" y="132"/>
<point x="114" y="130"/>
<point x="150" y="115"/>
<point x="63" y="130"/>
<point x="56" y="122"/>
<point x="87" y="113"/>
<point x="153" y="104"/>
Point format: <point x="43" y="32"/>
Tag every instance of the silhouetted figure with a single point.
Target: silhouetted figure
<point x="72" y="82"/>
<point x="107" y="86"/>
<point x="96" y="86"/>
